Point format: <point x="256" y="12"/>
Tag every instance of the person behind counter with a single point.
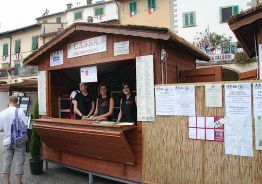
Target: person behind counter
<point x="83" y="104"/>
<point x="104" y="104"/>
<point x="128" y="112"/>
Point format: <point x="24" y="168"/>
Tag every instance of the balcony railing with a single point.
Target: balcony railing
<point x="19" y="72"/>
<point x="48" y="28"/>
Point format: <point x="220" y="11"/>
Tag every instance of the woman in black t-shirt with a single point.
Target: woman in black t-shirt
<point x="104" y="105"/>
<point x="128" y="111"/>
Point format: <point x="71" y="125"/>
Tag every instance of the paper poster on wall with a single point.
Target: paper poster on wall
<point x="145" y="88"/>
<point x="56" y="58"/>
<point x="238" y="100"/>
<point x="257" y="99"/>
<point x="213" y="95"/>
<point x="204" y="128"/>
<point x="86" y="47"/>
<point x="88" y="74"/>
<point x="121" y="48"/>
<point x="165" y="100"/>
<point x="258" y="132"/>
<point x="260" y="61"/>
<point x="184" y="100"/>
<point x="42" y="92"/>
<point x="238" y="136"/>
<point x="175" y="100"/>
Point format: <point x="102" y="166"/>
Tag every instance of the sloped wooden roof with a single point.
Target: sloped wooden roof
<point x="244" y="26"/>
<point x="156" y="33"/>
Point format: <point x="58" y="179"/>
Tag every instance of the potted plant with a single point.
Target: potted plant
<point x="36" y="163"/>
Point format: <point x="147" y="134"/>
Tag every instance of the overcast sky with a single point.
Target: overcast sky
<point x="19" y="13"/>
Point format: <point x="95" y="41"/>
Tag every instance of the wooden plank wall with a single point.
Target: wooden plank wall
<point x="202" y="75"/>
<point x="170" y="157"/>
<point x="250" y="75"/>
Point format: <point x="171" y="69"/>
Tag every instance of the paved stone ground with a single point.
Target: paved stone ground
<point x="55" y="174"/>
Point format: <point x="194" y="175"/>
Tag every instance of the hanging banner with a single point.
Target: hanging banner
<point x="56" y="58"/>
<point x="238" y="100"/>
<point x="145" y="88"/>
<point x="42" y="92"/>
<point x="88" y="74"/>
<point x="258" y="130"/>
<point x="86" y="47"/>
<point x="121" y="48"/>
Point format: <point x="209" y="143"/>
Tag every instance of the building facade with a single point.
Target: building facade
<point x="145" y="12"/>
<point x="192" y="17"/>
<point x="16" y="45"/>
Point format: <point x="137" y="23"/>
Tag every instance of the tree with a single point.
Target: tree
<point x="242" y="58"/>
<point x="217" y="41"/>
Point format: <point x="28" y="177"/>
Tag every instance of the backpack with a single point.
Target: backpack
<point x="18" y="132"/>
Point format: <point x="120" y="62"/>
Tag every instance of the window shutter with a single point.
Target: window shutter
<point x="153" y="4"/>
<point x="130" y="7"/>
<point x="235" y="10"/>
<point x="149" y="4"/>
<point x="5" y="49"/>
<point x="186" y="20"/>
<point x="17" y="46"/>
<point x="135" y="7"/>
<point x="34" y="42"/>
<point x="192" y="19"/>
<point x="99" y="11"/>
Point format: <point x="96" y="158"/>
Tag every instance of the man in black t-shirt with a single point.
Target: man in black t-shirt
<point x="83" y="104"/>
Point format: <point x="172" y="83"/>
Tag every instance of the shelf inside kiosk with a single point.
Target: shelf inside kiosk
<point x="101" y="140"/>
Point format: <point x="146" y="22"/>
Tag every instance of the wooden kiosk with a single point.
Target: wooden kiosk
<point x="108" y="150"/>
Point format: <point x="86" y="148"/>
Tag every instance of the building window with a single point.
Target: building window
<point x="58" y="20"/>
<point x="99" y="12"/>
<point x="151" y="6"/>
<point x="5" y="49"/>
<point x="34" y="42"/>
<point x="78" y="16"/>
<point x="227" y="12"/>
<point x="132" y="8"/>
<point x="17" y="46"/>
<point x="189" y="19"/>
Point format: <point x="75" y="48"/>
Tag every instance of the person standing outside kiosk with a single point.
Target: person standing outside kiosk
<point x="12" y="153"/>
<point x="128" y="110"/>
<point x="83" y="104"/>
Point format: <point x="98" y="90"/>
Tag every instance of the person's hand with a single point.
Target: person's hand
<point x="84" y="117"/>
<point x="92" y="117"/>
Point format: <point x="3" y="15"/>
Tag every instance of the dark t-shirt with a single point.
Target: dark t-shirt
<point x="103" y="106"/>
<point x="128" y="108"/>
<point x="84" y="104"/>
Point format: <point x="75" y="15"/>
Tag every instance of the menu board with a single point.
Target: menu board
<point x="42" y="92"/>
<point x="238" y="100"/>
<point x="175" y="100"/>
<point x="206" y="128"/>
<point x="145" y="88"/>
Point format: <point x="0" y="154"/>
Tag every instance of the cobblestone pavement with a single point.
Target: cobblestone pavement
<point x="55" y="174"/>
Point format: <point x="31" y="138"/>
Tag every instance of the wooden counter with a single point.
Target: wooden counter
<point x="106" y="149"/>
